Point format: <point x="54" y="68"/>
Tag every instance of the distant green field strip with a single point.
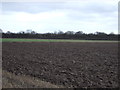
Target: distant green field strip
<point x="50" y="40"/>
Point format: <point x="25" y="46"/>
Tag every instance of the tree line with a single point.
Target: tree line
<point x="61" y="35"/>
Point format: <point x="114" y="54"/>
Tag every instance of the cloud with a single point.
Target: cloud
<point x="88" y="16"/>
<point x="30" y="7"/>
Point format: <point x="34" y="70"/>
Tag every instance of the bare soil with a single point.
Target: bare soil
<point x="63" y="63"/>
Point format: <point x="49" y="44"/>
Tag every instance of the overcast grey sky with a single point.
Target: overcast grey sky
<point x="88" y="16"/>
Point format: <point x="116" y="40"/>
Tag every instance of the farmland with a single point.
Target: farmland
<point x="66" y="63"/>
<point x="50" y="40"/>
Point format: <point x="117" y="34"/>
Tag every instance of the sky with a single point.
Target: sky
<point x="88" y="16"/>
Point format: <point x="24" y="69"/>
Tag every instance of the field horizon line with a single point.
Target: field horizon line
<point x="50" y="40"/>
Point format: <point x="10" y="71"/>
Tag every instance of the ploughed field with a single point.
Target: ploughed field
<point x="71" y="64"/>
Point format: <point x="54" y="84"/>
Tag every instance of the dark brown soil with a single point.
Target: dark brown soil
<point x="68" y="64"/>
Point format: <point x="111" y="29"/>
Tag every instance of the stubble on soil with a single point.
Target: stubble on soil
<point x="10" y="80"/>
<point x="68" y="64"/>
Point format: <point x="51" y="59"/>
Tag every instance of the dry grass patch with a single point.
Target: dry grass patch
<point x="10" y="80"/>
